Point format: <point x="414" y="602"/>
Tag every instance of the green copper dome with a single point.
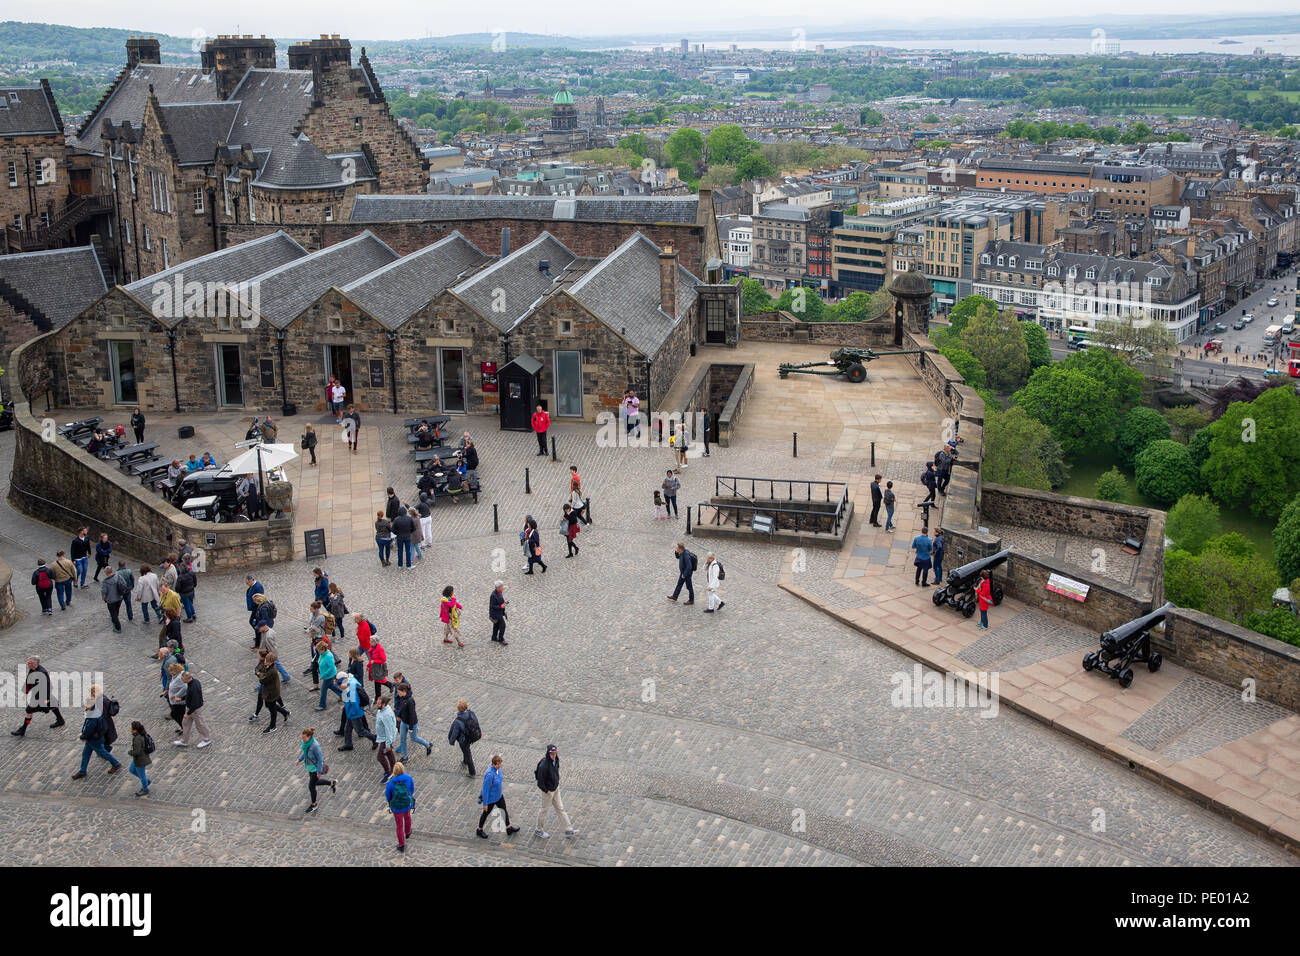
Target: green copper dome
<point x="563" y="97"/>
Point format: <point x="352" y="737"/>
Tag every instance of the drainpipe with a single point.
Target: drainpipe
<point x="505" y="349"/>
<point x="648" y="399"/>
<point x="212" y="215"/>
<point x="392" y="366"/>
<point x="284" y="386"/>
<point x="171" y="347"/>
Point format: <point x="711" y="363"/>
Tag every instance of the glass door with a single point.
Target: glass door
<point x="121" y="357"/>
<point x="451" y="379"/>
<point x="230" y="377"/>
<point x="568" y="384"/>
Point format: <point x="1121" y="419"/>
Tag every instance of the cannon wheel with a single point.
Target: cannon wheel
<point x="968" y="609"/>
<point x="857" y="372"/>
<point x="937" y="597"/>
<point x="1154" y="663"/>
<point x="997" y="594"/>
<point x="1126" y="677"/>
<point x="1089" y="661"/>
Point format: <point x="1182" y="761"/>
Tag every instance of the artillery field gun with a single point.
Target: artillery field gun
<point x="849" y="362"/>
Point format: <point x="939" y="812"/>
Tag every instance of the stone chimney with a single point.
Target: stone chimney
<point x="505" y="241"/>
<point x="230" y="57"/>
<point x="142" y="50"/>
<point x="320" y="53"/>
<point x="668" y="281"/>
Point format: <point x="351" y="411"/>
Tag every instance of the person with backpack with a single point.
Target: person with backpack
<point x="492" y="797"/>
<point x="142" y="746"/>
<point x="80" y="551"/>
<point x="186" y="582"/>
<point x="365" y="631"/>
<point x="269" y="679"/>
<point x="43" y="581"/>
<point x="378" y="667"/>
<point x="314" y="759"/>
<point x="713" y="574"/>
<point x="309" y="444"/>
<point x="533" y="546"/>
<point x="39" y="696"/>
<point x="103" y="551"/>
<point x="112" y="591"/>
<point x="354" y="711"/>
<point x="339" y="608"/>
<point x="385" y="734"/>
<point x="407" y="721"/>
<point x="253" y="587"/>
<point x="327" y="669"/>
<point x="97" y="732"/>
<point x="449" y="612"/>
<point x="63" y="571"/>
<point x="128" y="585"/>
<point x="465" y="732"/>
<point x="548" y="781"/>
<point x="930" y="479"/>
<point x="497" y="613"/>
<point x="193" y="713"/>
<point x="686" y="566"/>
<point x="571" y="529"/>
<point x="400" y="796"/>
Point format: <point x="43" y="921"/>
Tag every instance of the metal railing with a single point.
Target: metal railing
<point x="784" y="518"/>
<point x="836" y="492"/>
<point x="732" y="484"/>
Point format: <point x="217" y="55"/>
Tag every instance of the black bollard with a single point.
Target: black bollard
<point x="873" y="454"/>
<point x="496" y="525"/>
<point x="528" y="489"/>
<point x="796" y="444"/>
<point x="661" y="428"/>
<point x="688" y="519"/>
<point x="553" y="458"/>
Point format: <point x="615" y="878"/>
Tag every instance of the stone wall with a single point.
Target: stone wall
<point x="76" y="489"/>
<point x="8" y="609"/>
<point x="784" y="327"/>
<point x="1108" y="604"/>
<point x="721" y="387"/>
<point x="1225" y="652"/>
<point x="1065" y="514"/>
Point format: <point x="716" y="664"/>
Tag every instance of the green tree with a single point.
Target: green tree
<point x="966" y="309"/>
<point x="966" y="365"/>
<point x="753" y="166"/>
<point x="870" y="117"/>
<point x="1184" y="421"/>
<point x="1286" y="541"/>
<point x="1013" y="442"/>
<point x="930" y="119"/>
<point x="1165" y="471"/>
<point x="1052" y="455"/>
<point x="859" y="306"/>
<point x="1112" y="486"/>
<point x="728" y="145"/>
<point x="754" y="298"/>
<point x="1237" y="580"/>
<point x="995" y="339"/>
<point x="1278" y="623"/>
<point x="1183" y="585"/>
<point x="1138" y="429"/>
<point x="1076" y="407"/>
<point x="685" y="149"/>
<point x="1122" y="383"/>
<point x="1040" y="353"/>
<point x="1199" y="447"/>
<point x="1192" y="522"/>
<point x="803" y="303"/>
<point x="1255" y="453"/>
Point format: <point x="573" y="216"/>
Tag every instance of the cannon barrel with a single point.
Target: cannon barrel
<point x="1138" y="624"/>
<point x="972" y="568"/>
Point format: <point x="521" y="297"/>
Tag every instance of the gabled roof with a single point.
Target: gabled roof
<point x="633" y="209"/>
<point x="28" y="110"/>
<point x="622" y="291"/>
<point x="197" y="128"/>
<point x="515" y="283"/>
<point x="52" y="287"/>
<point x="127" y="97"/>
<point x="285" y="291"/>
<point x="395" y="292"/>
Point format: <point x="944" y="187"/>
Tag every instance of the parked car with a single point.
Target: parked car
<point x="1248" y="317"/>
<point x="1272" y="302"/>
<point x="1220" y="327"/>
<point x="1239" y="324"/>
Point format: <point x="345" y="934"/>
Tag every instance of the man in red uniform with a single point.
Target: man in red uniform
<point x="541" y="422"/>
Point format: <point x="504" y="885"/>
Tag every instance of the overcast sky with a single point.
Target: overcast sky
<point x="400" y="19"/>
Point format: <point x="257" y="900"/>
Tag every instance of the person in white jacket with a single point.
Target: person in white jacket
<point x="146" y="592"/>
<point x="713" y="570"/>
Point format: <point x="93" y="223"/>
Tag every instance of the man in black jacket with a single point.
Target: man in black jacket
<point x="39" y="696"/>
<point x="930" y="479"/>
<point x="94" y="736"/>
<point x="471" y="458"/>
<point x="403" y="527"/>
<point x="943" y="466"/>
<point x="548" y="781"/>
<point x="685" y="568"/>
<point x="193" y="713"/>
<point x="137" y="425"/>
<point x="497" y="613"/>
<point x="393" y="507"/>
<point x="461" y="732"/>
<point x="876" y="496"/>
<point x="352" y="422"/>
<point x="80" y="552"/>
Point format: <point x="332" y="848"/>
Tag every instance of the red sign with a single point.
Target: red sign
<point x="489" y="372"/>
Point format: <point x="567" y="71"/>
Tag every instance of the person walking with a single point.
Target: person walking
<point x="425" y="514"/>
<point x="943" y="467"/>
<point x="112" y="591"/>
<point x="39" y="697"/>
<point x="875" y="501"/>
<point x="353" y="712"/>
<point x="43" y="581"/>
<point x="63" y="572"/>
<point x="936" y="555"/>
<point x="137" y="426"/>
<point x="321" y="585"/>
<point x="354" y="429"/>
<point x="576" y="500"/>
<point x="632" y="410"/>
<point x="383" y="538"/>
<point x="339" y="608"/>
<point x="449" y="613"/>
<point x="309" y="442"/>
<point x="103" y="551"/>
<point x="408" y="723"/>
<point x="176" y="693"/>
<point x="712" y="575"/>
<point x="147" y="592"/>
<point x="930" y="479"/>
<point x="170" y="572"/>
<point x="193" y="713"/>
<point x="984" y="595"/>
<point x="497" y="613"/>
<point x="385" y="734"/>
<point x="890" y="500"/>
<point x="186" y="582"/>
<point x="312" y="758"/>
<point x="705" y="420"/>
<point x="377" y="667"/>
<point x="97" y="733"/>
<point x="465" y="732"/>
<point x="170" y="602"/>
<point x="80" y="552"/>
<point x="399" y="793"/>
<point x="142" y="746"/>
<point x="417" y="533"/>
<point x="403" y="526"/>
<point x="268" y="676"/>
<point x="271" y="646"/>
<point x="670" y="488"/>
<point x="127" y="578"/>
<point x="338" y="395"/>
<point x="685" y="568"/>
<point x="492" y="797"/>
<point x="169" y="655"/>
<point x="327" y="671"/>
<point x="571" y="530"/>
<point x="548" y="781"/>
<point x="923" y="548"/>
<point x="541" y="422"/>
<point x="392" y="505"/>
<point x="252" y="588"/>
<point x="533" y="545"/>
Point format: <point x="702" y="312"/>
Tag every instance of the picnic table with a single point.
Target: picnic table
<point x="133" y="453"/>
<point x="426" y="458"/>
<point x="71" y="429"/>
<point x="148" y="469"/>
<point x="435" y="421"/>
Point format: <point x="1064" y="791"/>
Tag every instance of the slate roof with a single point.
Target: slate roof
<point x="227" y="266"/>
<point x="784" y="211"/>
<point x="197" y="128"/>
<point x="622" y="291"/>
<point x="128" y="96"/>
<point x="52" y="287"/>
<point x="1109" y="268"/>
<point x="26" y="110"/>
<point x="285" y="291"/>
<point x="633" y="209"/>
<point x="519" y="278"/>
<point x="395" y="292"/>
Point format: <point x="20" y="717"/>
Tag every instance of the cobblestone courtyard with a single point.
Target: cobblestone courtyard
<point x="763" y="734"/>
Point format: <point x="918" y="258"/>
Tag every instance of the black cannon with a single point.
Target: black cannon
<point x="959" y="592"/>
<point x="1128" y="644"/>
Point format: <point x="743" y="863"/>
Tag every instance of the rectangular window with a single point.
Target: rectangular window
<point x="448" y="326"/>
<point x="166" y="258"/>
<point x="148" y="244"/>
<point x="336" y="323"/>
<point x="329" y="213"/>
<point x="198" y="199"/>
<point x="45" y="218"/>
<point x="13" y="173"/>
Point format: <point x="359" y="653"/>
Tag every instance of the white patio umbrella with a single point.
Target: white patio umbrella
<point x="261" y="458"/>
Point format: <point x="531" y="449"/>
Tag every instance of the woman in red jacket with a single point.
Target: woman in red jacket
<point x="378" y="668"/>
<point x="365" y="631"/>
<point x="984" y="594"/>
